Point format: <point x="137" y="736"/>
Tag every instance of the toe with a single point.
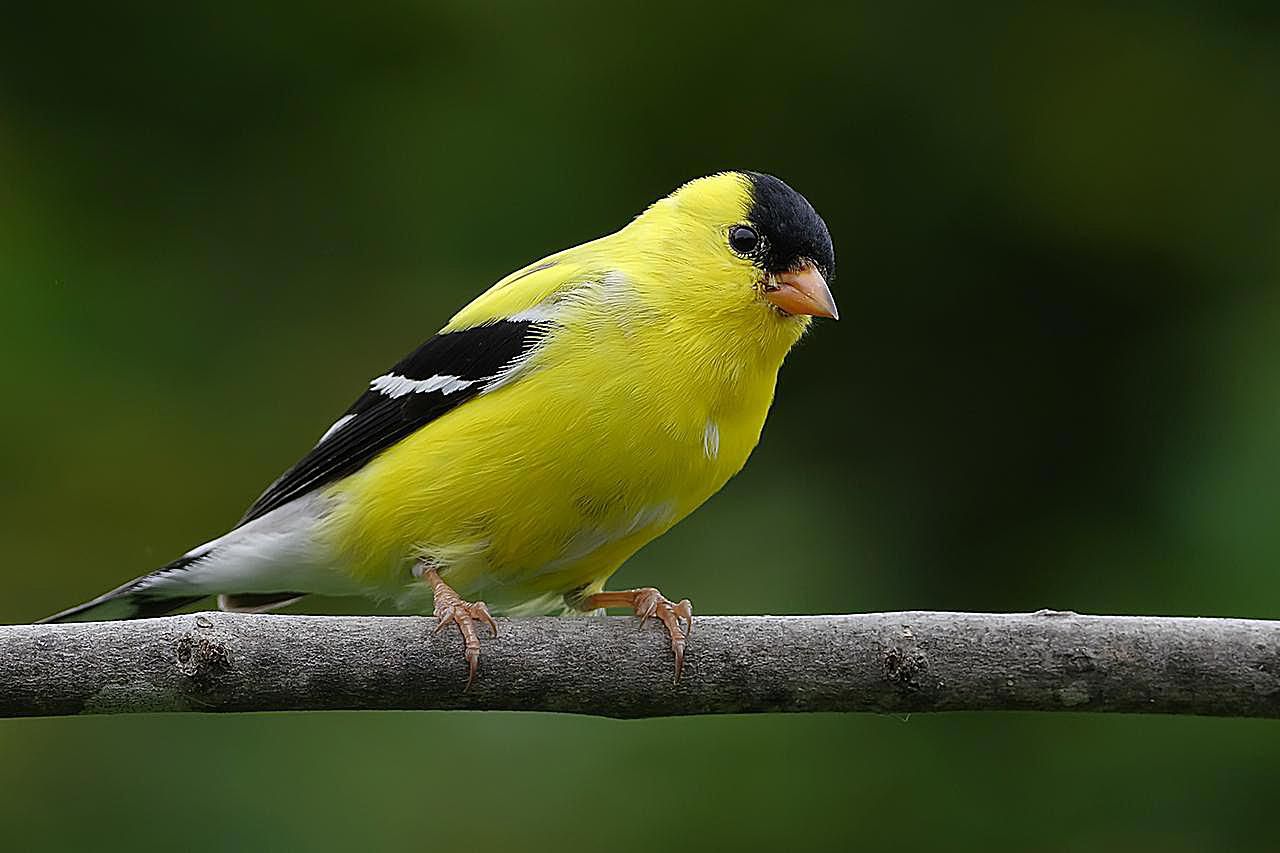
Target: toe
<point x="451" y="609"/>
<point x="481" y="612"/>
<point x="649" y="603"/>
<point x="684" y="610"/>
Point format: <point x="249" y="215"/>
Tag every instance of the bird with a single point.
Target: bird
<point x="570" y="414"/>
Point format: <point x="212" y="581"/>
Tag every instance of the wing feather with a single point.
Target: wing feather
<point x="441" y="375"/>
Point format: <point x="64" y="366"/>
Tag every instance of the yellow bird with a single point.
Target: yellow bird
<point x="573" y="412"/>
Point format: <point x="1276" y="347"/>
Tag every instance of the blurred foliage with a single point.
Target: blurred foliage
<point x="1057" y="383"/>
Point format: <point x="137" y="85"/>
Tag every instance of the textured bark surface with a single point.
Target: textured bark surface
<point x="880" y="662"/>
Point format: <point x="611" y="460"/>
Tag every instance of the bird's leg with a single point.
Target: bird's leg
<point x="449" y="607"/>
<point x="647" y="603"/>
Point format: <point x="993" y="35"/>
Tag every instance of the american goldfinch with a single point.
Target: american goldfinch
<point x="573" y="412"/>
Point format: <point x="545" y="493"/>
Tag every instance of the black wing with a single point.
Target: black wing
<point x="437" y="377"/>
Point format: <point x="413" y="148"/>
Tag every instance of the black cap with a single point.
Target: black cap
<point x="793" y="230"/>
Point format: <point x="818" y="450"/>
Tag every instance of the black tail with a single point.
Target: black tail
<point x="140" y="598"/>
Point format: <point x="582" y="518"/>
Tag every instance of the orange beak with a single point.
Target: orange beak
<point x="803" y="291"/>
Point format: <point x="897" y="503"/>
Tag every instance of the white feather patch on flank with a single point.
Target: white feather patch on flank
<point x="394" y="385"/>
<point x="711" y="439"/>
<point x="337" y="425"/>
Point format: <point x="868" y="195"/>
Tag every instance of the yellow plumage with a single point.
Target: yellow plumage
<point x="647" y="401"/>
<point x="571" y="413"/>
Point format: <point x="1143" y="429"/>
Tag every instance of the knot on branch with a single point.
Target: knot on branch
<point x="906" y="665"/>
<point x="200" y="655"/>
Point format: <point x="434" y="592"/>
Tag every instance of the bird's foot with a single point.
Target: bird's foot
<point x="649" y="603"/>
<point x="450" y="608"/>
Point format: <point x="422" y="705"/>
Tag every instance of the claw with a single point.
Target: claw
<point x="647" y="604"/>
<point x="473" y="661"/>
<point x="450" y="609"/>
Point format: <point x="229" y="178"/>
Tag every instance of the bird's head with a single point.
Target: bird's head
<point x="744" y="251"/>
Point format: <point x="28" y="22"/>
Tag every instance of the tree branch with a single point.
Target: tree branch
<point x="881" y="662"/>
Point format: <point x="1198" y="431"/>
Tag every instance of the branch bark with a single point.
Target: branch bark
<point x="881" y="662"/>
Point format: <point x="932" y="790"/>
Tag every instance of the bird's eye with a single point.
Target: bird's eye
<point x="743" y="239"/>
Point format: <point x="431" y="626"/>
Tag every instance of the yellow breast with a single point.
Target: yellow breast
<point x="545" y="486"/>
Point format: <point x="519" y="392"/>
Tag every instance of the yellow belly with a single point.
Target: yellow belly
<point x="544" y="487"/>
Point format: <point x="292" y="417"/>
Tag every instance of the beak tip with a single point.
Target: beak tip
<point x="805" y="291"/>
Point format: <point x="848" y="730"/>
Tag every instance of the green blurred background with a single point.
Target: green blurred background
<point x="1057" y="384"/>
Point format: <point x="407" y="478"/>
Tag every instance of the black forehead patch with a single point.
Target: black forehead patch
<point x="792" y="229"/>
